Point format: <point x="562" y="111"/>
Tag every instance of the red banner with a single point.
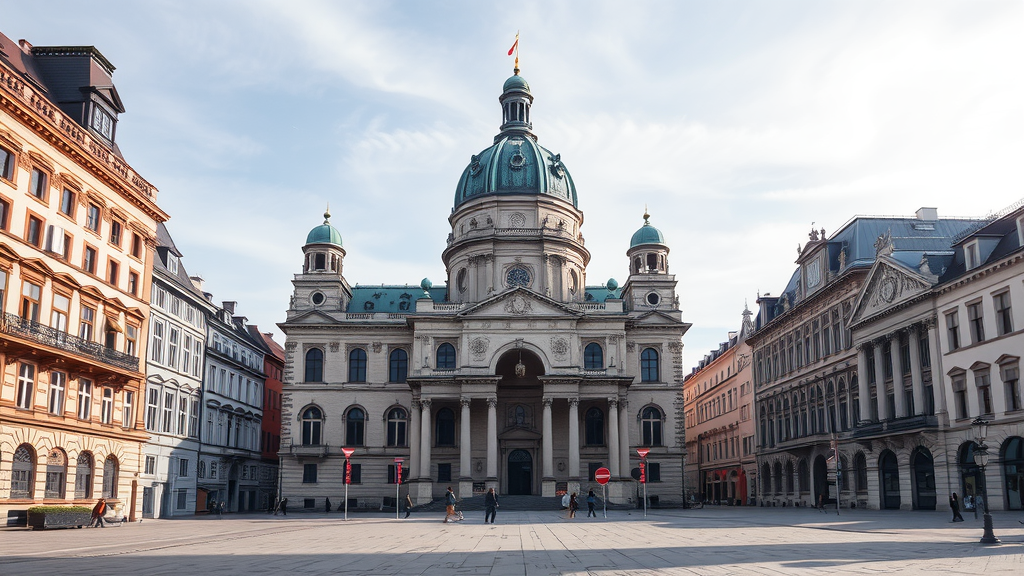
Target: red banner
<point x="643" y="473"/>
<point x="348" y="471"/>
<point x="398" y="474"/>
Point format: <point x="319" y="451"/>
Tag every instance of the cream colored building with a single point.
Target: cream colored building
<point x="77" y="228"/>
<point x="516" y="375"/>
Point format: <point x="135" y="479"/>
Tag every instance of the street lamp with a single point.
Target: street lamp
<point x="981" y="457"/>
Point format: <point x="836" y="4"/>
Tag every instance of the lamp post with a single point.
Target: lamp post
<point x="981" y="457"/>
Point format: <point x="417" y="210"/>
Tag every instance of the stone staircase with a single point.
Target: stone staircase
<point x="513" y="504"/>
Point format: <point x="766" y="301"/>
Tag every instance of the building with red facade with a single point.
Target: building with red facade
<point x="273" y="366"/>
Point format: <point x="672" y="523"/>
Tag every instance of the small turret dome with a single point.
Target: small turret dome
<point x="647" y="234"/>
<point x="324" y="233"/>
<point x="516" y="82"/>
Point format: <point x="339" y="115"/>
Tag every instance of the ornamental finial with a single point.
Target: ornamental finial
<point x="327" y="214"/>
<point x="646" y="216"/>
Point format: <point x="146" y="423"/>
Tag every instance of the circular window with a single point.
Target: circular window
<point x="461" y="280"/>
<point x="517" y="161"/>
<point x="653" y="298"/>
<point x="317" y="298"/>
<point x="517" y="276"/>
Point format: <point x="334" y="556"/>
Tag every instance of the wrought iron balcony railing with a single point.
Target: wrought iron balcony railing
<point x="17" y="326"/>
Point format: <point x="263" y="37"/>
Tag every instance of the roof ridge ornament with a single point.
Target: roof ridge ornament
<point x="647" y="216"/>
<point x="327" y="214"/>
<point x="515" y="48"/>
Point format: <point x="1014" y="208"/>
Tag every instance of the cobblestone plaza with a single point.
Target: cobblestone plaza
<point x="709" y="541"/>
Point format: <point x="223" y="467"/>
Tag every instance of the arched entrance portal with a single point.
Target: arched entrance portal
<point x="820" y="481"/>
<point x="520" y="472"/>
<point x="889" y="472"/>
<point x="923" y="471"/>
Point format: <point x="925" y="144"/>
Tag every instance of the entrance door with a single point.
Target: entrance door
<point x="821" y="495"/>
<point x="520" y="472"/>
<point x="924" y="479"/>
<point x="890" y="477"/>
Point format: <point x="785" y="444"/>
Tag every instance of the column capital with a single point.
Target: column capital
<point x="546" y="402"/>
<point x="416" y="404"/>
<point x="574" y="402"/>
<point x="465" y="401"/>
<point x="492" y="402"/>
<point x="425" y="403"/>
<point x="613" y="401"/>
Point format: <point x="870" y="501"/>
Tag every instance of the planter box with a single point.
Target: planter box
<point x="70" y="518"/>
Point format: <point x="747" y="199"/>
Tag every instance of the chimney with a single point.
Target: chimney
<point x="197" y="281"/>
<point x="928" y="214"/>
<point x="229" y="306"/>
<point x="25" y="45"/>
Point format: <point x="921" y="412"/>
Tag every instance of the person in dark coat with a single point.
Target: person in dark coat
<point x="490" y="505"/>
<point x="284" y="506"/>
<point x="954" y="503"/>
<point x="591" y="502"/>
<point x="327" y="505"/>
<point x="573" y="505"/>
<point x="97" y="514"/>
<point x="408" y="505"/>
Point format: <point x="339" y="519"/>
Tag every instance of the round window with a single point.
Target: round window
<point x="653" y="298"/>
<point x="517" y="276"/>
<point x="317" y="298"/>
<point x="461" y="280"/>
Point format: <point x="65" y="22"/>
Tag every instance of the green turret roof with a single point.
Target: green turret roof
<point x="324" y="233"/>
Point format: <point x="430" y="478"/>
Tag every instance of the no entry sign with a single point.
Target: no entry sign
<point x="602" y="475"/>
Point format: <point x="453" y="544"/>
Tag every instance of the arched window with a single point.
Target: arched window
<point x="396" y="427"/>
<point x="56" y="474"/>
<point x="312" y="426"/>
<point x="355" y="424"/>
<point x="23" y="473"/>
<point x="789" y="477"/>
<point x="821" y="411"/>
<point x="777" y="480"/>
<point x="446" y="357"/>
<point x="110" y="468"/>
<point x="398" y="368"/>
<point x="860" y="470"/>
<point x="314" y="365"/>
<point x="649" y="370"/>
<point x="83" y="476"/>
<point x="766" y="478"/>
<point x="650" y="424"/>
<point x="357" y="365"/>
<point x="445" y="427"/>
<point x="594" y="427"/>
<point x="803" y="474"/>
<point x="593" y="357"/>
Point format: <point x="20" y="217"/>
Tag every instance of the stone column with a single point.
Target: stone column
<point x="465" y="450"/>
<point x="863" y="389"/>
<point x="425" y="439"/>
<point x="623" y="437"/>
<point x="883" y="409"/>
<point x="938" y="378"/>
<point x="414" y="440"/>
<point x="574" y="442"/>
<point x="916" y="382"/>
<point x="547" y="456"/>
<point x="613" y="437"/>
<point x="492" y="442"/>
<point x="898" y="394"/>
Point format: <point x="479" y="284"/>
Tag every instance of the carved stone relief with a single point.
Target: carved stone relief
<point x="559" y="346"/>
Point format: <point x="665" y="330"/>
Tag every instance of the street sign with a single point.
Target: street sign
<point x="602" y="475"/>
<point x="399" y="460"/>
<point x="348" y="452"/>
<point x="643" y="452"/>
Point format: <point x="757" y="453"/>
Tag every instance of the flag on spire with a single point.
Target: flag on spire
<point x="514" y="45"/>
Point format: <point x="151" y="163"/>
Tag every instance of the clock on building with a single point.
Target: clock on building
<point x="517" y="276"/>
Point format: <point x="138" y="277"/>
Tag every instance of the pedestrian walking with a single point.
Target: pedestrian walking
<point x="573" y="505"/>
<point x="449" y="501"/>
<point x="408" y="505"/>
<point x="490" y="505"/>
<point x="565" y="501"/>
<point x="284" y="507"/>
<point x="954" y="504"/>
<point x="97" y="514"/>
<point x="591" y="502"/>
<point x="222" y="508"/>
<point x="327" y="505"/>
<point x="821" y="503"/>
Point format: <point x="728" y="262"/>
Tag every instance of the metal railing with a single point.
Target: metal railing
<point x="17" y="326"/>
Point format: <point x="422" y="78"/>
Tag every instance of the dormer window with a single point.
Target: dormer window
<point x="971" y="255"/>
<point x="172" y="263"/>
<point x="1020" y="230"/>
<point x="102" y="122"/>
<point x="319" y="261"/>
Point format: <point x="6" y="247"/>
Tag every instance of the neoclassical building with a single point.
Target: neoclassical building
<point x="516" y="374"/>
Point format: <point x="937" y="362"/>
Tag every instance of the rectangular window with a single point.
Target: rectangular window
<point x="26" y="386"/>
<point x="1011" y="380"/>
<point x="92" y="218"/>
<point x="133" y="283"/>
<point x="357" y="473"/>
<point x="59" y="313"/>
<point x="309" y="473"/>
<point x="113" y="273"/>
<point x="156" y="352"/>
<point x="84" y="399"/>
<point x="183" y="467"/>
<point x="197" y="358"/>
<point x="186" y="353"/>
<point x="182" y="415"/>
<point x="960" y="396"/>
<point x="131" y="339"/>
<point x="983" y="382"/>
<point x="115" y="232"/>
<point x="971" y="256"/>
<point x="654" y="472"/>
<point x="150" y="465"/>
<point x="107" y="406"/>
<point x="34" y="231"/>
<point x="7" y="164"/>
<point x="89" y="259"/>
<point x="128" y="410"/>
<point x="136" y="245"/>
<point x="168" y="412"/>
<point x="5" y="213"/>
<point x="172" y="347"/>
<point x="30" y="295"/>
<point x="57" y="389"/>
<point x="67" y="203"/>
<point x="1004" y="315"/>
<point x="953" y="330"/>
<point x="182" y="501"/>
<point x="102" y="123"/>
<point x="977" y="322"/>
<point x="444" y="472"/>
<point x="38" y="185"/>
<point x="193" y="421"/>
<point x="152" y="407"/>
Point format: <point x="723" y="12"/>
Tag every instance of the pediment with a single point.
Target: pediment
<point x="312" y="317"/>
<point x="519" y="302"/>
<point x="519" y="434"/>
<point x="655" y="318"/>
<point x="887" y="286"/>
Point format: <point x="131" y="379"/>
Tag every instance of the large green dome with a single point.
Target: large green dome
<point x="647" y="234"/>
<point x="324" y="233"/>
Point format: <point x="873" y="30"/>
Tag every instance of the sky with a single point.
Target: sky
<point x="739" y="125"/>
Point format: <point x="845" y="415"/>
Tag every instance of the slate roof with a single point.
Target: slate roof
<point x="164" y="243"/>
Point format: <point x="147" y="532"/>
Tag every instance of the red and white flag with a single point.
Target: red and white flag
<point x="514" y="45"/>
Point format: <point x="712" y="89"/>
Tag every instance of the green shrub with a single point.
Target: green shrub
<point x="59" y="510"/>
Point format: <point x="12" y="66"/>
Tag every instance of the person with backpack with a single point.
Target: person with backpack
<point x="591" y="502"/>
<point x="449" y="501"/>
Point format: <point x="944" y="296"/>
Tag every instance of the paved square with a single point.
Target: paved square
<point x="709" y="541"/>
